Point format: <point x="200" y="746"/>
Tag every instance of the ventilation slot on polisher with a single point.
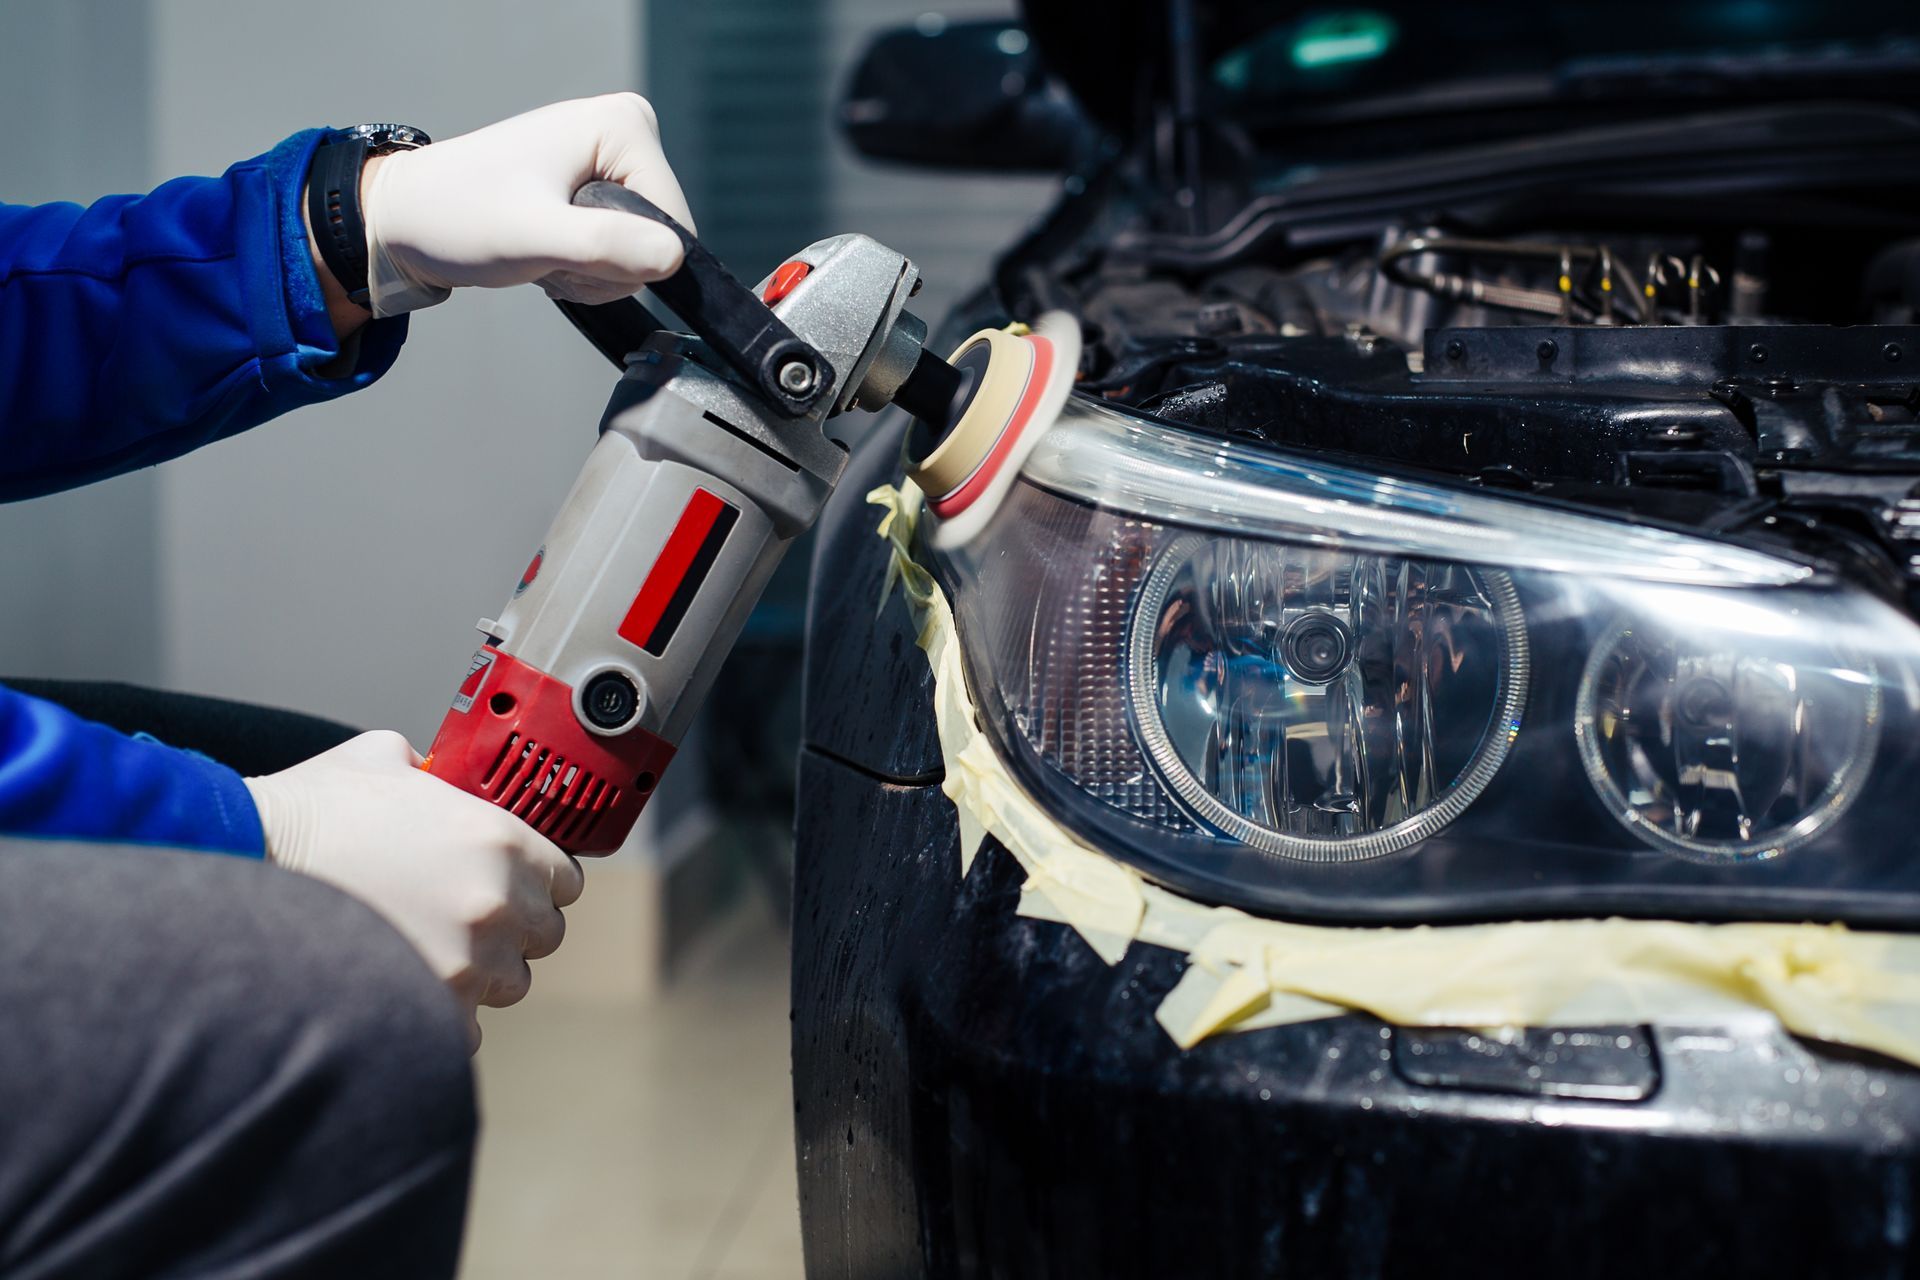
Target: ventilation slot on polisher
<point x="562" y="801"/>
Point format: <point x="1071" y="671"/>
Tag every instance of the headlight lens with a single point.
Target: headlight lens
<point x="1303" y="688"/>
<point x="1721" y="752"/>
<point x="1320" y="704"/>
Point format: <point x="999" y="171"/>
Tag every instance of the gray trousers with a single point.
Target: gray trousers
<point x="213" y="1068"/>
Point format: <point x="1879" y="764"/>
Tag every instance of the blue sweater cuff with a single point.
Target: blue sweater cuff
<point x="65" y="778"/>
<point x="303" y="304"/>
<point x="233" y="820"/>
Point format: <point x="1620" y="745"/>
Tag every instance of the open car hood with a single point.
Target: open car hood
<point x="1273" y="60"/>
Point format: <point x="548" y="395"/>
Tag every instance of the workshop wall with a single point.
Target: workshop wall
<point x="78" y="584"/>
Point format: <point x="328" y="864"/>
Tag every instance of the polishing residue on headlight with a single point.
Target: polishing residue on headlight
<point x="1824" y="982"/>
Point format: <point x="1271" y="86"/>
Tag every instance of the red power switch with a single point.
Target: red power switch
<point x="789" y="275"/>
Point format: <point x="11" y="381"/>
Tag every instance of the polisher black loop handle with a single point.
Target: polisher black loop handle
<point x="741" y="329"/>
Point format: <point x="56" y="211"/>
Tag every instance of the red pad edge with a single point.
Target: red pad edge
<point x="976" y="484"/>
<point x="521" y="747"/>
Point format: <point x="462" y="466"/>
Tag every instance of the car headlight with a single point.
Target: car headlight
<point x="1300" y="687"/>
<point x="1323" y="704"/>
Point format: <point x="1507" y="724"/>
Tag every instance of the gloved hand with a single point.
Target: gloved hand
<point x="476" y="890"/>
<point x="494" y="208"/>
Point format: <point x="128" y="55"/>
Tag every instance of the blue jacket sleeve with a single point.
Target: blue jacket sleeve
<point x="62" y="777"/>
<point x="138" y="328"/>
<point x="131" y="331"/>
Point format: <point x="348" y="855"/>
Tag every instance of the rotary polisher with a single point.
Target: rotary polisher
<point x="712" y="459"/>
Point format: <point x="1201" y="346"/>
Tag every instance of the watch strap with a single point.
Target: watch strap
<point x="334" y="214"/>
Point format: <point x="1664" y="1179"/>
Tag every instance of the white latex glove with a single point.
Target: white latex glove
<point x="494" y="208"/>
<point x="475" y="889"/>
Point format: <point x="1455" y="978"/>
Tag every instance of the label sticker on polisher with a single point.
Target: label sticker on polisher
<point x="675" y="578"/>
<point x="470" y="687"/>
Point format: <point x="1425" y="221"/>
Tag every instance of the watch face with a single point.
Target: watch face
<point x="381" y="138"/>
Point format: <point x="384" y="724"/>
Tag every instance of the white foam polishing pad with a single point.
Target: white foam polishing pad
<point x="1025" y="383"/>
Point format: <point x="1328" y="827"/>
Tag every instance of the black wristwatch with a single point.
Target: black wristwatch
<point x="333" y="197"/>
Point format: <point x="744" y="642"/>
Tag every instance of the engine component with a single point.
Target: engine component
<point x="1584" y="282"/>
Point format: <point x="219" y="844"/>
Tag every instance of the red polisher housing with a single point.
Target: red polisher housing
<point x="513" y="738"/>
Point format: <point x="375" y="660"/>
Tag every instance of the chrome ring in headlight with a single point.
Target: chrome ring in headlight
<point x="1324" y="705"/>
<point x="1734" y="748"/>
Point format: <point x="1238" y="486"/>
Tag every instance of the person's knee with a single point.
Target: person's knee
<point x="369" y="1023"/>
<point x="246" y="961"/>
<point x="381" y="1045"/>
<point x="263" y="983"/>
<point x="359" y="1034"/>
<point x="254" y="1028"/>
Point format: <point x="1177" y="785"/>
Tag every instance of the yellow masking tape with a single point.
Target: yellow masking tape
<point x="1825" y="982"/>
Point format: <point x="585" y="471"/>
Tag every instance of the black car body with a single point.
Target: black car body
<point x="1407" y="282"/>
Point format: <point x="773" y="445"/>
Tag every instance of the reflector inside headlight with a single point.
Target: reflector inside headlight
<point x="1302" y="688"/>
